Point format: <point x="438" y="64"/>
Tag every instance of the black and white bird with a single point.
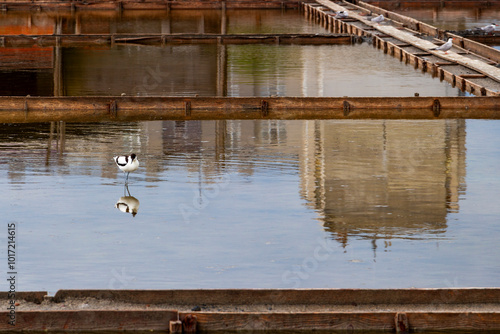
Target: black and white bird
<point x="378" y="19"/>
<point x="127" y="163"/>
<point x="489" y="28"/>
<point x="445" y="47"/>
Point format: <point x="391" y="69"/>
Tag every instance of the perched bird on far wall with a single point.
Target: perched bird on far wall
<point x="445" y="47"/>
<point x="127" y="163"/>
<point x="343" y="14"/>
<point x="378" y="19"/>
<point x="489" y="28"/>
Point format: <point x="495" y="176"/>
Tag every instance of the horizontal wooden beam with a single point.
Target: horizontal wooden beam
<point x="400" y="310"/>
<point x="89" y="320"/>
<point x="161" y="39"/>
<point x="124" y="108"/>
<point x="423" y="297"/>
<point x="39" y="5"/>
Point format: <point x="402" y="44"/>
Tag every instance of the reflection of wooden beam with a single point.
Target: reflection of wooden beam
<point x="82" y="109"/>
<point x="158" y="39"/>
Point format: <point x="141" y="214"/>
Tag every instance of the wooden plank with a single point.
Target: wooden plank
<point x="276" y="321"/>
<point x="438" y="321"/>
<point x="144" y="5"/>
<point x="89" y="109"/>
<point x="29" y="296"/>
<point x="111" y="320"/>
<point x="159" y="39"/>
<point x="392" y="310"/>
<point x="432" y="297"/>
<point x="381" y="321"/>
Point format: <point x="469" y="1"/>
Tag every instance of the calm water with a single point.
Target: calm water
<point x="241" y="204"/>
<point x="205" y="70"/>
<point x="254" y="204"/>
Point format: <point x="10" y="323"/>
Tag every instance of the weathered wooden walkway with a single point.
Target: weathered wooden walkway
<point x="470" y="66"/>
<point x="396" y="310"/>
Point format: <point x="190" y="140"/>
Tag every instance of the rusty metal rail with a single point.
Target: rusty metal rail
<point x="124" y="108"/>
<point x="164" y="39"/>
<point x="470" y="66"/>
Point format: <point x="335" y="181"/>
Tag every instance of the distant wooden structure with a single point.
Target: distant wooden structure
<point x="470" y="66"/>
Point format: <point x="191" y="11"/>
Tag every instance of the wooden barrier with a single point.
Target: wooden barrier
<point x="119" y="5"/>
<point x="162" y="39"/>
<point x="189" y="311"/>
<point x="123" y="108"/>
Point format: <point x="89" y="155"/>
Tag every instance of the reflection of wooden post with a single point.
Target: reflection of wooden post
<point x="49" y="145"/>
<point x="62" y="136"/>
<point x="201" y="25"/>
<point x="220" y="139"/>
<point x="78" y="25"/>
<point x="166" y="25"/>
<point x="221" y="89"/>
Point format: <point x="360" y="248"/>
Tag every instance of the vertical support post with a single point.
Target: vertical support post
<point x="189" y="324"/>
<point x="401" y="322"/>
<point x="264" y="108"/>
<point x="436" y="108"/>
<point x="175" y="327"/>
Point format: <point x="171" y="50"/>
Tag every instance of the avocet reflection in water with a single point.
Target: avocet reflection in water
<point x="255" y="204"/>
<point x="128" y="203"/>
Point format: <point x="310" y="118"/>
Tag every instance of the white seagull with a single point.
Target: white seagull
<point x="378" y="19"/>
<point x="445" y="47"/>
<point x="489" y="28"/>
<point x="343" y="14"/>
<point x="127" y="163"/>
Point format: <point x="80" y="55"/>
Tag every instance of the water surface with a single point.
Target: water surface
<point x="254" y="204"/>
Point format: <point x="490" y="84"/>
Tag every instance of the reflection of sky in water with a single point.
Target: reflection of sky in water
<point x="248" y="204"/>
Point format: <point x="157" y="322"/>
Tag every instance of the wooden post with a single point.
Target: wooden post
<point x="401" y="322"/>
<point x="436" y="108"/>
<point x="264" y="108"/>
<point x="187" y="108"/>
<point x="347" y="108"/>
<point x="175" y="327"/>
<point x="189" y="324"/>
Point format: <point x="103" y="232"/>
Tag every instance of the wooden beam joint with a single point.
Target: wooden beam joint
<point x="347" y="108"/>
<point x="264" y="108"/>
<point x="401" y="322"/>
<point x="189" y="324"/>
<point x="187" y="108"/>
<point x="175" y="327"/>
<point x="113" y="109"/>
<point x="436" y="108"/>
